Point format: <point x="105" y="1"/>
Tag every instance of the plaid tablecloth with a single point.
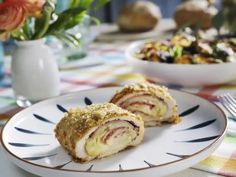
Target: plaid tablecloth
<point x="105" y="66"/>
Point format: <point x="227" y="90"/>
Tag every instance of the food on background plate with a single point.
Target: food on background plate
<point x="139" y="16"/>
<point x="195" y="14"/>
<point x="98" y="130"/>
<point x="189" y="48"/>
<point x="153" y="103"/>
<point x="229" y="12"/>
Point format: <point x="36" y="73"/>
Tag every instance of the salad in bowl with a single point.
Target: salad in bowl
<point x="186" y="59"/>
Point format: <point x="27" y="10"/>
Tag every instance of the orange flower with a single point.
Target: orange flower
<point x="13" y="14"/>
<point x="33" y="7"/>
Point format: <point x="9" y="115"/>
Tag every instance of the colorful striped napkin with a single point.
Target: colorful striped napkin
<point x="110" y="70"/>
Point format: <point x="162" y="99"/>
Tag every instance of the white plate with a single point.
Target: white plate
<point x="29" y="141"/>
<point x="180" y="74"/>
<point x="111" y="33"/>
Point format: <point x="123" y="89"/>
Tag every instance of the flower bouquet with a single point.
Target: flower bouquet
<point x="35" y="74"/>
<point x="34" y="19"/>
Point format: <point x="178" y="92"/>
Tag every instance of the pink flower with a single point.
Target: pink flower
<point x="13" y="14"/>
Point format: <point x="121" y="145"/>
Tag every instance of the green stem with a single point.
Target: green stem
<point x="44" y="27"/>
<point x="26" y="29"/>
<point x="47" y="13"/>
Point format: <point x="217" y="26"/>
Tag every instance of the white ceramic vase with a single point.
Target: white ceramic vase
<point x="35" y="74"/>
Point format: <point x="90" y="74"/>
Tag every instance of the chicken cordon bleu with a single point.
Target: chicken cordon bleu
<point x="98" y="130"/>
<point x="153" y="103"/>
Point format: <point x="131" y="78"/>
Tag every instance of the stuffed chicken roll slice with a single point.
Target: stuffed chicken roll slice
<point x="153" y="103"/>
<point x="98" y="130"/>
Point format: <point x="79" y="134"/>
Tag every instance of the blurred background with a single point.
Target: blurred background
<point x="110" y="12"/>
